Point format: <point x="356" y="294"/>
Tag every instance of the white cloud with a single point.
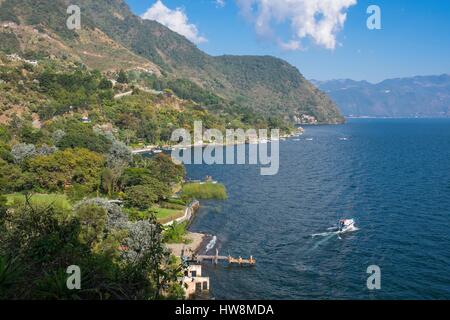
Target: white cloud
<point x="291" y="45"/>
<point x="220" y="3"/>
<point x="176" y="20"/>
<point x="319" y="20"/>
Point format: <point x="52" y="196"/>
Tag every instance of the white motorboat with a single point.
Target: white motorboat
<point x="346" y="225"/>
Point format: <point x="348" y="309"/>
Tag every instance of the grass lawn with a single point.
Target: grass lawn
<point x="59" y="200"/>
<point x="166" y="215"/>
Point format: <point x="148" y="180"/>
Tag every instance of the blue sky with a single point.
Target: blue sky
<point x="414" y="39"/>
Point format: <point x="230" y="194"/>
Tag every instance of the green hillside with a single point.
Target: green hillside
<point x="267" y="85"/>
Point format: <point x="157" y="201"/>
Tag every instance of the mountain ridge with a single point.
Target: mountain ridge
<point x="417" y="96"/>
<point x="254" y="82"/>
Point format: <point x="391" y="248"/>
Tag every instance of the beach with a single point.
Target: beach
<point x="196" y="243"/>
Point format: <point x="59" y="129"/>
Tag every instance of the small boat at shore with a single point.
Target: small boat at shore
<point x="156" y="151"/>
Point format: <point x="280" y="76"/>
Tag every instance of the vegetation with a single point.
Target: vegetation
<point x="204" y="191"/>
<point x="117" y="261"/>
<point x="52" y="217"/>
<point x="67" y="168"/>
<point x="49" y="93"/>
<point x="66" y="132"/>
<point x="267" y="86"/>
<point x="175" y="233"/>
<point x="40" y="200"/>
<point x="165" y="215"/>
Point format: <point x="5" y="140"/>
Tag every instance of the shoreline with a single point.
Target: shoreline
<point x="150" y="149"/>
<point x="195" y="240"/>
<point x="198" y="242"/>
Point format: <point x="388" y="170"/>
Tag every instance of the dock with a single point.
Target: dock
<point x="231" y="260"/>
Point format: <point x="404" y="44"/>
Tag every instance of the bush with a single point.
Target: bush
<point x="163" y="168"/>
<point x="122" y="77"/>
<point x="117" y="219"/>
<point x="5" y="153"/>
<point x="77" y="167"/>
<point x="22" y="151"/>
<point x="175" y="233"/>
<point x="141" y="197"/>
<point x="92" y="223"/>
<point x="82" y="136"/>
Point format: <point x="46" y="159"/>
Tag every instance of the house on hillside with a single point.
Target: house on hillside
<point x="86" y="119"/>
<point x="193" y="282"/>
<point x="16" y="57"/>
<point x="306" y="119"/>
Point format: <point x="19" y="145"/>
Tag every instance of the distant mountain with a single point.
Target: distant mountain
<point x="112" y="37"/>
<point x="421" y="96"/>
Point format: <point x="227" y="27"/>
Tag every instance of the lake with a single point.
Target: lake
<point x="391" y="175"/>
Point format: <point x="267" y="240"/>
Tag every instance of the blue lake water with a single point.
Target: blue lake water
<point x="392" y="176"/>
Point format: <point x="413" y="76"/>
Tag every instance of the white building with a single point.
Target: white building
<point x="193" y="282"/>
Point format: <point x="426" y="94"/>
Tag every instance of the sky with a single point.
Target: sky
<point x="324" y="39"/>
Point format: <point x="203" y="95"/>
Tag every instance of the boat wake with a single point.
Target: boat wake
<point x="346" y="226"/>
<point x="323" y="234"/>
<point x="211" y="244"/>
<point x="335" y="232"/>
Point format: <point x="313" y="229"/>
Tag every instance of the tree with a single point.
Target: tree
<point x="118" y="158"/>
<point x="5" y="153"/>
<point x="3" y="209"/>
<point x="35" y="243"/>
<point x="5" y="136"/>
<point x="30" y="135"/>
<point x="92" y="220"/>
<point x="166" y="170"/>
<point x="118" y="259"/>
<point x="143" y="177"/>
<point x="56" y="171"/>
<point x="116" y="218"/>
<point x="105" y="84"/>
<point x="13" y="179"/>
<point x="133" y="177"/>
<point x="45" y="150"/>
<point x="57" y="136"/>
<point x="159" y="188"/>
<point x="141" y="197"/>
<point x="22" y="151"/>
<point x="119" y="154"/>
<point x="79" y="135"/>
<point x="147" y="253"/>
<point x="107" y="182"/>
<point x="122" y="77"/>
